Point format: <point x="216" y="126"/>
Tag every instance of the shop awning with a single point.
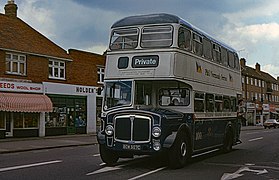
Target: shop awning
<point x="25" y="102"/>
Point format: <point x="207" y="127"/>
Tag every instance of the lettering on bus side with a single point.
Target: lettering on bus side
<point x="145" y="61"/>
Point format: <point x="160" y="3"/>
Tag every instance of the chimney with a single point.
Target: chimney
<point x="258" y="67"/>
<point x="242" y="62"/>
<point x="11" y="9"/>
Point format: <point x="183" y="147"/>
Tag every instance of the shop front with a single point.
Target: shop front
<point x="22" y="109"/>
<point x="250" y="114"/>
<point x="74" y="109"/>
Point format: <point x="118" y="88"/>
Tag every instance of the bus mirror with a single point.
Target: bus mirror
<point x="99" y="90"/>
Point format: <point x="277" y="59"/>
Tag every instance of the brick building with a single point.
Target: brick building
<point x="260" y="93"/>
<point x="44" y="90"/>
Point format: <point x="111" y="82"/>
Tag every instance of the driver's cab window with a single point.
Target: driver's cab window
<point x="174" y="97"/>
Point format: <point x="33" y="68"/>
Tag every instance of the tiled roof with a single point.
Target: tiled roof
<point x="16" y="35"/>
<point x="251" y="72"/>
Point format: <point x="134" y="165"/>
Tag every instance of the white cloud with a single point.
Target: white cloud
<point x="272" y="69"/>
<point x="259" y="32"/>
<point x="99" y="49"/>
<point x="39" y="18"/>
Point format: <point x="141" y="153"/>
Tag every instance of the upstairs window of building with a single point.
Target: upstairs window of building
<point x="101" y="75"/>
<point x="57" y="69"/>
<point x="15" y="64"/>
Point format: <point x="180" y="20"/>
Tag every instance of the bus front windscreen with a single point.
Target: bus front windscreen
<point x="118" y="93"/>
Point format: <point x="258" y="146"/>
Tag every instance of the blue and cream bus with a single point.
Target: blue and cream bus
<point x="169" y="87"/>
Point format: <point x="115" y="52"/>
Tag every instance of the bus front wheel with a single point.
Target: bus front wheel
<point x="179" y="153"/>
<point x="108" y="156"/>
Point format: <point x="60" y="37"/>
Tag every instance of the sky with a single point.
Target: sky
<point x="249" y="26"/>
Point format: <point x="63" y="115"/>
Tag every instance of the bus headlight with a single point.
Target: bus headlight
<point x="156" y="132"/>
<point x="109" y="130"/>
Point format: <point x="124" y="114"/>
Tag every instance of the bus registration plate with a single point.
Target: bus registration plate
<point x="131" y="147"/>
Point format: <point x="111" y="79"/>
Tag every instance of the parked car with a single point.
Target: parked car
<point x="271" y="123"/>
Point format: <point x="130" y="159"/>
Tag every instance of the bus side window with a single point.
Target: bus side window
<point x="231" y="60"/>
<point x="199" y="102"/>
<point x="233" y="104"/>
<point x="184" y="39"/>
<point x="207" y="50"/>
<point x="209" y="102"/>
<point x="236" y="62"/>
<point x="224" y="56"/>
<point x="197" y="44"/>
<point x="217" y="53"/>
<point x="218" y="103"/>
<point x="227" y="104"/>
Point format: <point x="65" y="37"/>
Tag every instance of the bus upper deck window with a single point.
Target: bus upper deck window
<point x="124" y="39"/>
<point x="197" y="44"/>
<point x="184" y="39"/>
<point x="156" y="36"/>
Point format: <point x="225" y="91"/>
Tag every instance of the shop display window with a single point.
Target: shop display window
<point x="26" y="120"/>
<point x="67" y="112"/>
<point x="2" y="120"/>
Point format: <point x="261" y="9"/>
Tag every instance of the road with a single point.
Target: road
<point x="256" y="158"/>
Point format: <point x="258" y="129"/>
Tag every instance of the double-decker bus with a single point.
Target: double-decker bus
<point x="169" y="87"/>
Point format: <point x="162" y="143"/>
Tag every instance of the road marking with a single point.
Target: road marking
<point x="29" y="165"/>
<point x="148" y="173"/>
<point x="105" y="169"/>
<point x="96" y="155"/>
<point x="252" y="133"/>
<point x="207" y="152"/>
<point x="255" y="139"/>
<point x="229" y="176"/>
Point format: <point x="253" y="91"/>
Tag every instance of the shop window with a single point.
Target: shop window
<point x="57" y="118"/>
<point x="26" y="120"/>
<point x="15" y="64"/>
<point x="67" y="112"/>
<point x="56" y="69"/>
<point x="2" y="120"/>
<point x="31" y="120"/>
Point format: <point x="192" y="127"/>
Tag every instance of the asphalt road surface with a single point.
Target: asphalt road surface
<point x="256" y="158"/>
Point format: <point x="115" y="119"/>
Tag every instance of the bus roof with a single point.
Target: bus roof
<point x="163" y="18"/>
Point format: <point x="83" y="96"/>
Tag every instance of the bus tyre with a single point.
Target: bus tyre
<point x="108" y="156"/>
<point x="179" y="152"/>
<point x="228" y="142"/>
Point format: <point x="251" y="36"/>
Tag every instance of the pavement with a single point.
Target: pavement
<point x="12" y="145"/>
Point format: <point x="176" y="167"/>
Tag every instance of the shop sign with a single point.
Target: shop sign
<point x="68" y="89"/>
<point x="266" y="107"/>
<point x="250" y="105"/>
<point x="20" y="87"/>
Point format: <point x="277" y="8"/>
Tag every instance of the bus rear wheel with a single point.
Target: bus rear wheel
<point x="179" y="153"/>
<point x="109" y="157"/>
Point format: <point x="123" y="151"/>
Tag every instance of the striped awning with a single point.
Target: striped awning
<point x="16" y="102"/>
